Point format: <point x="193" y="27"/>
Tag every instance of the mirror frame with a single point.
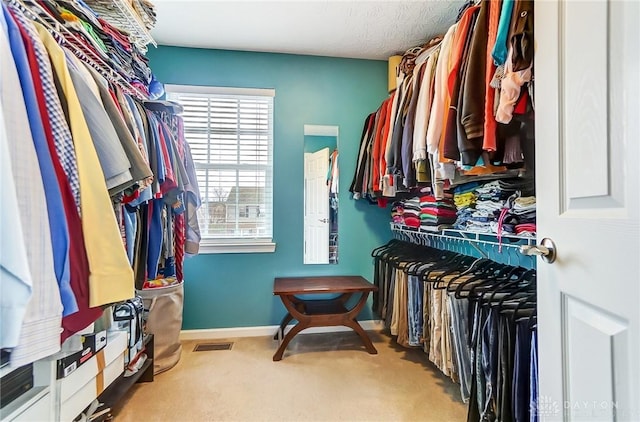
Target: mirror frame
<point x="321" y="131"/>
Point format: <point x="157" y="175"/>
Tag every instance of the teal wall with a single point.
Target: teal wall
<point x="235" y="290"/>
<point x="316" y="143"/>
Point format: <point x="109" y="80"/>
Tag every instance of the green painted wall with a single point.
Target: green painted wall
<point x="235" y="290"/>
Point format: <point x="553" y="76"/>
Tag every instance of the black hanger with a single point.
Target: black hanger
<point x="476" y="267"/>
<point x="524" y="283"/>
<point x="487" y="274"/>
<point x="507" y="282"/>
<point x="466" y="264"/>
<point x="376" y="251"/>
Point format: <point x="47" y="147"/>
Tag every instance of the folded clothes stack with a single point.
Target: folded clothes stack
<point x="526" y="186"/>
<point x="521" y="216"/>
<point x="397" y="211"/>
<point x="464" y="199"/>
<point x="526" y="229"/>
<point x="464" y="196"/>
<point x="425" y="212"/>
<point x="437" y="213"/>
<point x="411" y="212"/>
<point x="498" y="207"/>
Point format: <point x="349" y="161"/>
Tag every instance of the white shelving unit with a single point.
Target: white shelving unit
<point x="454" y="234"/>
<point x="121" y="14"/>
<point x="64" y="399"/>
<point x="37" y="403"/>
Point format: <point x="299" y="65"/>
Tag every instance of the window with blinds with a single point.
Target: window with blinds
<point x="230" y="133"/>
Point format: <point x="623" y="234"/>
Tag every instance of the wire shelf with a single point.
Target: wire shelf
<point x="122" y="15"/>
<point x="491" y="238"/>
<point x="488" y="245"/>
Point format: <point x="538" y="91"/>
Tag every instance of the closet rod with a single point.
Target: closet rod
<point x="472" y="239"/>
<point x="68" y="39"/>
<point x="427" y="239"/>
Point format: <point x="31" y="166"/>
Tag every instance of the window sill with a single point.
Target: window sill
<point x="239" y="247"/>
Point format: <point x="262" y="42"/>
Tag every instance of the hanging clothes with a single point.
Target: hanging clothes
<point x="475" y="319"/>
<point x="450" y="118"/>
<point x="80" y="181"/>
<point x="113" y="160"/>
<point x="111" y="278"/>
<point x="16" y="284"/>
<point x="39" y="332"/>
<point x="55" y="208"/>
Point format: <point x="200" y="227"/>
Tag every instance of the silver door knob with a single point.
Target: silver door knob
<point x="546" y="250"/>
<point x="323" y="220"/>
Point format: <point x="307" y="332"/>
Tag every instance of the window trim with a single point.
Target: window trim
<point x="237" y="245"/>
<point x="215" y="90"/>
<point x="212" y="245"/>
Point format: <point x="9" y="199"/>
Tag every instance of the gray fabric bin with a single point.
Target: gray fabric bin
<point x="163" y="309"/>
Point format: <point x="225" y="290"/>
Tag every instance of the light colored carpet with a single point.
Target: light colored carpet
<point x="322" y="377"/>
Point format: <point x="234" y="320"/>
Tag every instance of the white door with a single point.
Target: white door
<point x="587" y="95"/>
<point x="316" y="207"/>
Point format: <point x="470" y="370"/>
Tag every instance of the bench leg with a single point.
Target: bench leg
<point x="285" y="341"/>
<point x="363" y="336"/>
<point x="295" y="308"/>
<point x="351" y="322"/>
<point x="285" y="320"/>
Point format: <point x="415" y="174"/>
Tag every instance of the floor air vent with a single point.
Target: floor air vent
<point x="209" y="347"/>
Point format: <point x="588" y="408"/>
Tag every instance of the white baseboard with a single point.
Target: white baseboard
<point x="267" y="330"/>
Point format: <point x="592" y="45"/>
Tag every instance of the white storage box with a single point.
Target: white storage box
<point x="86" y="383"/>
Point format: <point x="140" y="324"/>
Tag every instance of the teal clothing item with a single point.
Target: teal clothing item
<point x="499" y="52"/>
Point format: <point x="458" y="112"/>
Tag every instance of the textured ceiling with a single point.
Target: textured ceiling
<point x="358" y="29"/>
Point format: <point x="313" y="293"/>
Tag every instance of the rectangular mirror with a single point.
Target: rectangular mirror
<point x="321" y="179"/>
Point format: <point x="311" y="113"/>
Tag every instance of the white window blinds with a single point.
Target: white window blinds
<point x="230" y="133"/>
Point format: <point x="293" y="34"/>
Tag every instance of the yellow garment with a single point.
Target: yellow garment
<point x="526" y="201"/>
<point x="423" y="173"/>
<point x="111" y="276"/>
<point x="464" y="200"/>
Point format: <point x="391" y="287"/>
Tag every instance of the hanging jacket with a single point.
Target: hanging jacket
<point x="473" y="88"/>
<point x="521" y="35"/>
<point x="455" y="79"/>
<point x="358" y="176"/>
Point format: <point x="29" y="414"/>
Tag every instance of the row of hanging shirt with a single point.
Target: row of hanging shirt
<point x="74" y="148"/>
<point x="99" y="39"/>
<point x="474" y="318"/>
<point x="462" y="109"/>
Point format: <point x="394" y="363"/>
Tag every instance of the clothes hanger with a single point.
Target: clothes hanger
<point x="524" y="301"/>
<point x="508" y="282"/>
<point x="491" y="274"/>
<point x="384" y="251"/>
<point x="427" y="258"/>
<point x="476" y="266"/>
<point x="467" y="265"/>
<point x="523" y="285"/>
<point x="449" y="260"/>
<point x="504" y="277"/>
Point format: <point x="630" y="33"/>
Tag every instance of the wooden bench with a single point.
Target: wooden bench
<point x="324" y="312"/>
